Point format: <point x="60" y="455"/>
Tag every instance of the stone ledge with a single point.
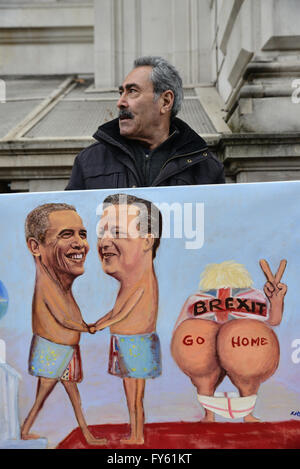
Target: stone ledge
<point x="47" y="35"/>
<point x="261" y="138"/>
<point x="255" y="157"/>
<point x="44" y="144"/>
<point x="282" y="43"/>
<point x="259" y="68"/>
<point x="260" y="157"/>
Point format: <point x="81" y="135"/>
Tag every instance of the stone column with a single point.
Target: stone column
<point x="178" y="30"/>
<point x="258" y="63"/>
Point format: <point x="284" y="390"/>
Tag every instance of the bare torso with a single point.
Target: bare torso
<point x="142" y="318"/>
<point x="55" y="313"/>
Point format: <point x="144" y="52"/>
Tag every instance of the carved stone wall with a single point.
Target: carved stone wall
<point x="179" y="30"/>
<point x="46" y="37"/>
<point x="257" y="63"/>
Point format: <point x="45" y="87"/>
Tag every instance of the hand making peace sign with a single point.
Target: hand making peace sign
<point x="274" y="290"/>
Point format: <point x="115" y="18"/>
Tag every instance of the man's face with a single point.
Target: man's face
<point x="139" y="114"/>
<point x="65" y="247"/>
<point x="120" y="247"/>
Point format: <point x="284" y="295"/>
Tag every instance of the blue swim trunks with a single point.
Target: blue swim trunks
<point x="50" y="360"/>
<point x="135" y="356"/>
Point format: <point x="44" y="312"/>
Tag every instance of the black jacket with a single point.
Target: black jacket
<point x="110" y="162"/>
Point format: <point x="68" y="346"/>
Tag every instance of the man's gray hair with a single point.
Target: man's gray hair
<point x="164" y="76"/>
<point x="37" y="221"/>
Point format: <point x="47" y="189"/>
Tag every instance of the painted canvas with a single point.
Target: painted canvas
<point x="151" y="318"/>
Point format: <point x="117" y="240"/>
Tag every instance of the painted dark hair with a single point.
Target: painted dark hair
<point x="37" y="221"/>
<point x="154" y="217"/>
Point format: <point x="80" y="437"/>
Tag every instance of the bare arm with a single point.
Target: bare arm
<point x="96" y="327"/>
<point x="275" y="291"/>
<point x="60" y="308"/>
<point x="62" y="318"/>
<point x="124" y="311"/>
<point x="275" y="295"/>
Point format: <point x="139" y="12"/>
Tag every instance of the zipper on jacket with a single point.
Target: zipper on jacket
<point x="116" y="143"/>
<point x="178" y="156"/>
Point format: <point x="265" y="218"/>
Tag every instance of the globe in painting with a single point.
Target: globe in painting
<point x="3" y="300"/>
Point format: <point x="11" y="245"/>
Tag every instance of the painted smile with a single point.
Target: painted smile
<point x="107" y="255"/>
<point x="77" y="257"/>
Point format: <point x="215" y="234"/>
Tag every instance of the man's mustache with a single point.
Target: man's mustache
<point x="125" y="114"/>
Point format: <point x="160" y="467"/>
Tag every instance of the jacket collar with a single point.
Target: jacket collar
<point x="185" y="141"/>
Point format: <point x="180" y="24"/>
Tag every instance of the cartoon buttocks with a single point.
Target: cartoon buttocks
<point x="225" y="329"/>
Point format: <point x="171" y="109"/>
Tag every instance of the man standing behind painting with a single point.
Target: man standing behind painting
<point x="57" y="240"/>
<point x="128" y="236"/>
<point x="147" y="145"/>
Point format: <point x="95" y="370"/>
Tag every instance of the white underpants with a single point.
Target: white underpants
<point x="228" y="406"/>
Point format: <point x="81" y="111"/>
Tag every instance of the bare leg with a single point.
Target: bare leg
<point x="74" y="396"/>
<point x="140" y="415"/>
<point x="134" y="390"/>
<point x="247" y="389"/>
<point x="206" y="385"/>
<point x="193" y="348"/>
<point x="44" y="388"/>
<point x="250" y="418"/>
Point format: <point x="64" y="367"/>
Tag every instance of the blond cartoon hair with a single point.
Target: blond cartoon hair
<point x="228" y="274"/>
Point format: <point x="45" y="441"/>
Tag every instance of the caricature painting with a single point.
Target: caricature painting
<point x="234" y="334"/>
<point x="151" y="318"/>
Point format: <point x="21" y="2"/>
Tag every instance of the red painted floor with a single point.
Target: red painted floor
<point x="190" y="435"/>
